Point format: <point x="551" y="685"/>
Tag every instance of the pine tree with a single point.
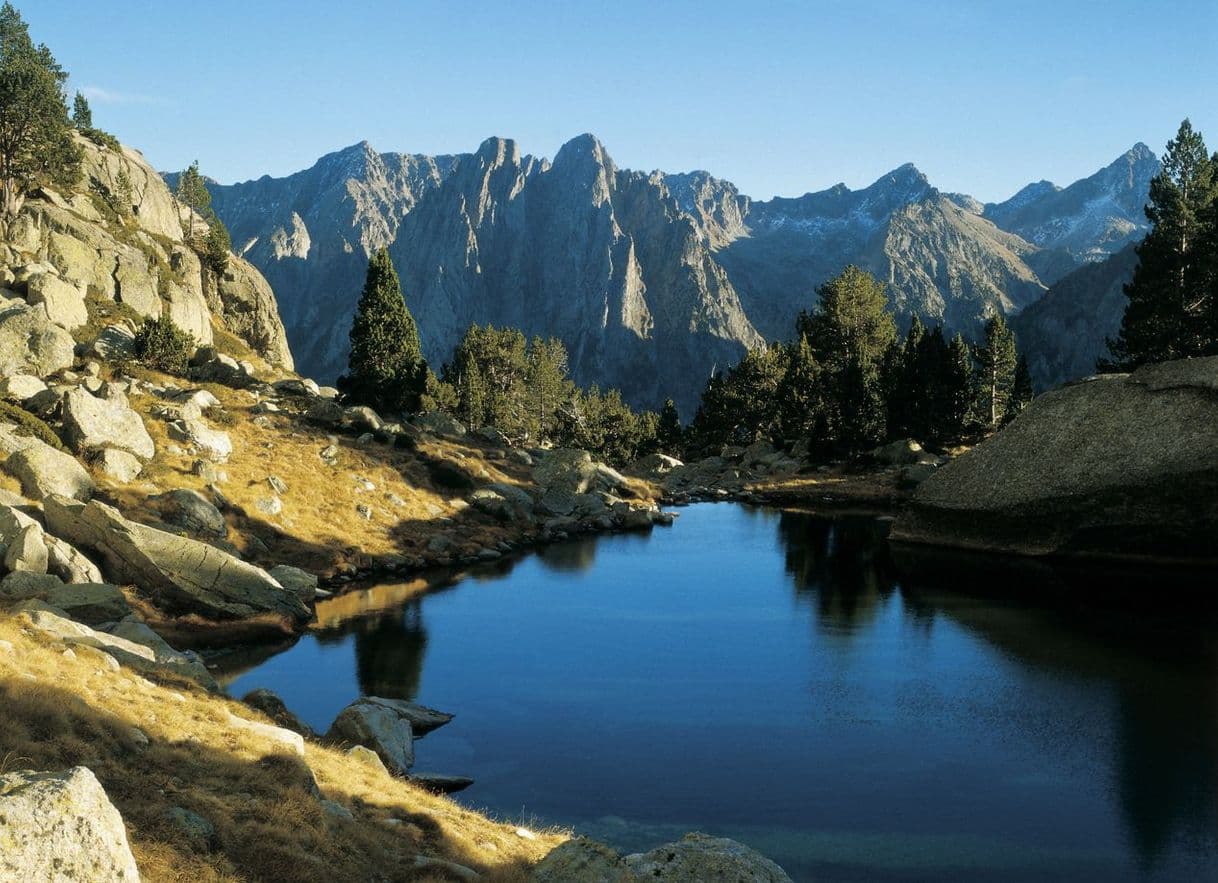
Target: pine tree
<point x="193" y="193"/>
<point x="548" y="385"/>
<point x="850" y="332"/>
<point x="669" y="435"/>
<point x="1021" y="389"/>
<point x="36" y="145"/>
<point x="216" y="247"/>
<point x="386" y="368"/>
<point x="996" y="362"/>
<point x="958" y="388"/>
<point x="82" y="114"/>
<point x="1169" y="311"/>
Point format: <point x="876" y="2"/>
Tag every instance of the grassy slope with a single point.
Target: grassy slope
<point x="67" y="709"/>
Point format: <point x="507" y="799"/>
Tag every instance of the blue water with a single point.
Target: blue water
<point x="781" y="679"/>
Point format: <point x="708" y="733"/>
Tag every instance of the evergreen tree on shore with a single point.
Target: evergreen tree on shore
<point x="1171" y="310"/>
<point x="386" y="368"/>
<point x="996" y="363"/>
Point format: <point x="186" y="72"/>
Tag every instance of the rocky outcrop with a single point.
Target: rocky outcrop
<point x="388" y="727"/>
<point x="243" y="299"/>
<point x="379" y="728"/>
<point x="30" y="343"/>
<point x="1118" y="465"/>
<point x="61" y="826"/>
<point x="93" y="423"/>
<point x="179" y="574"/>
<point x="44" y="471"/>
<point x="96" y="243"/>
<point x="695" y="858"/>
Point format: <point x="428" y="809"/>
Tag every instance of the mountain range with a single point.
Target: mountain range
<point x="652" y="280"/>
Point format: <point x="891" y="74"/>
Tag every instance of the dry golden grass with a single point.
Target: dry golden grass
<point x="320" y="527"/>
<point x="60" y="711"/>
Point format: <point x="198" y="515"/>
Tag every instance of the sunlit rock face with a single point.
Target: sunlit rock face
<point x="652" y="280"/>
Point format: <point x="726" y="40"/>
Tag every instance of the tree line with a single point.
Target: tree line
<point x="848" y="381"/>
<point x="1172" y="311"/>
<point x="496" y="378"/>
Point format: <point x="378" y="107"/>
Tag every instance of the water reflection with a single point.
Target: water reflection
<point x="1037" y="698"/>
<point x="839" y="566"/>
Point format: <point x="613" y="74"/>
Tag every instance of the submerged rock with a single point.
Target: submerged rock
<point x="61" y="826"/>
<point x="1118" y="465"/>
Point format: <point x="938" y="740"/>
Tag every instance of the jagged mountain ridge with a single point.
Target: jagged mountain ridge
<point x="651" y="280"/>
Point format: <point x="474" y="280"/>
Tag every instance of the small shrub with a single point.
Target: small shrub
<point x="29" y="425"/>
<point x="162" y="345"/>
<point x="216" y="247"/>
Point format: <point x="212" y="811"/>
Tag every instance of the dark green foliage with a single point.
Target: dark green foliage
<point x="385" y="369"/>
<point x="36" y="144"/>
<point x="670" y="437"/>
<point x="82" y="114"/>
<point x="490" y="373"/>
<point x="1172" y="297"/>
<point x="1021" y="389"/>
<point x="850" y="334"/>
<point x="521" y="388"/>
<point x="216" y="244"/>
<point x="605" y="425"/>
<point x="216" y="247"/>
<point x="848" y="382"/>
<point x="996" y="361"/>
<point x="928" y="386"/>
<point x="741" y="405"/>
<point x="29" y="425"/>
<point x="192" y="192"/>
<point x="163" y="346"/>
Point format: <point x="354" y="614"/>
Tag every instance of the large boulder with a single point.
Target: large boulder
<point x="191" y="511"/>
<point x="214" y="444"/>
<point x="181" y="575"/>
<point x="44" y="471"/>
<point x="61" y="826"/>
<point x="62" y="303"/>
<point x="379" y="728"/>
<point x="95" y="424"/>
<point x="696" y="858"/>
<point x="30" y="343"/>
<point x="1118" y="465"/>
<point x="91" y="603"/>
<point x="581" y="860"/>
<point x="422" y="719"/>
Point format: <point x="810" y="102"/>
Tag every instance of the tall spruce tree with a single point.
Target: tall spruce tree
<point x="36" y="145"/>
<point x="192" y="192"/>
<point x="386" y="368"/>
<point x="850" y="333"/>
<point x="1170" y="308"/>
<point x="996" y="363"/>
<point x="82" y="114"/>
<point x="669" y="435"/>
<point x="1021" y="389"/>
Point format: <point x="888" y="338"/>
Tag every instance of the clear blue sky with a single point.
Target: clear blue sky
<point x="779" y="97"/>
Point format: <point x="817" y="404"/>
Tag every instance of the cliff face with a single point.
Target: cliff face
<point x="94" y="245"/>
<point x="601" y="258"/>
<point x="651" y="280"/>
<point x="1084" y="307"/>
